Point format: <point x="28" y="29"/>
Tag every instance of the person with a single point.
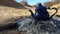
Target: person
<point x="41" y="13"/>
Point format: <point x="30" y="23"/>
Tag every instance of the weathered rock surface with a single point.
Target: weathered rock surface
<point x="42" y="27"/>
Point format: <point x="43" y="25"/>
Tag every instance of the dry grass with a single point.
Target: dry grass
<point x="7" y="13"/>
<point x="51" y="12"/>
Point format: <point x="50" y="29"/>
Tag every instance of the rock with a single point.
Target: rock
<point x="45" y="27"/>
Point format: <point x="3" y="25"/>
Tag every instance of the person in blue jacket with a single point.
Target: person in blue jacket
<point x="41" y="13"/>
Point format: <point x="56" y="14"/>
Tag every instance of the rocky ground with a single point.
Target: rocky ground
<point x="27" y="19"/>
<point x="42" y="27"/>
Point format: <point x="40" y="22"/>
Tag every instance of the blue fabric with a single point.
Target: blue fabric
<point x="40" y="7"/>
<point x="40" y="12"/>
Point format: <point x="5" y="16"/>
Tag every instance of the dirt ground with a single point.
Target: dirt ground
<point x="14" y="31"/>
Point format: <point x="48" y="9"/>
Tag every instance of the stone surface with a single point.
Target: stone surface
<point x="42" y="27"/>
